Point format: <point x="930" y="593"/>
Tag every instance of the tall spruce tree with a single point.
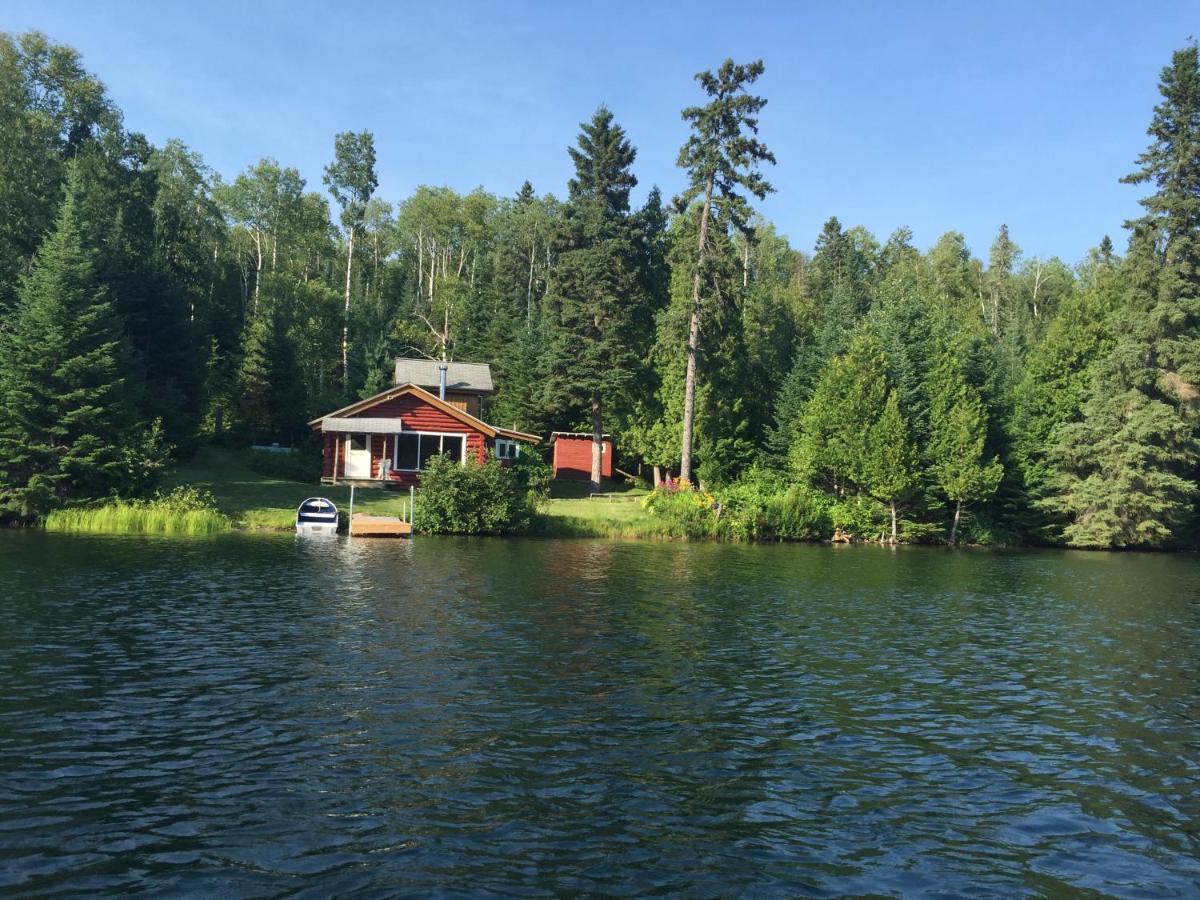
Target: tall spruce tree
<point x="596" y="285"/>
<point x="721" y="158"/>
<point x="960" y="467"/>
<point x="64" y="419"/>
<point x="889" y="461"/>
<point x="1126" y="474"/>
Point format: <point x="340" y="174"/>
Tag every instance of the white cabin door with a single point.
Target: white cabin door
<point x="358" y="456"/>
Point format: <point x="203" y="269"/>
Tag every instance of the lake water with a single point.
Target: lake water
<point x="251" y="715"/>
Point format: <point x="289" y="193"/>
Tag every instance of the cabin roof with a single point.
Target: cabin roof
<point x="473" y="378"/>
<point x="338" y="418"/>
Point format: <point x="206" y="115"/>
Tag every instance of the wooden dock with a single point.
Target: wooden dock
<point x="363" y="525"/>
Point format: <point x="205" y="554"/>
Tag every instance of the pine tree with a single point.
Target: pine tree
<point x="1126" y="474"/>
<point x="254" y="380"/>
<point x="721" y="158"/>
<point x="830" y="448"/>
<point x="1171" y="163"/>
<point x="595" y="285"/>
<point x="63" y="410"/>
<point x="889" y="461"/>
<point x="1119" y="475"/>
<point x="960" y="467"/>
<point x="270" y="400"/>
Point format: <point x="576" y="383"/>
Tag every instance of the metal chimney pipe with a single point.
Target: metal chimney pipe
<point x="442" y="381"/>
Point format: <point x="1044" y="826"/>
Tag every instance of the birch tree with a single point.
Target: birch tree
<point x="351" y="180"/>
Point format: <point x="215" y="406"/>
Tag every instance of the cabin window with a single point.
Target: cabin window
<point x="414" y="449"/>
<point x="407" y="449"/>
<point x="506" y="449"/>
<point x="452" y="446"/>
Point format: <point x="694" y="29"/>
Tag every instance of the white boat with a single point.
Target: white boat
<point x="317" y="515"/>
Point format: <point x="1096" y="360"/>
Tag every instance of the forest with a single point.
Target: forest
<point x="149" y="306"/>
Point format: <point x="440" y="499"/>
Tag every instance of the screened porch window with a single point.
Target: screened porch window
<point x="414" y="449"/>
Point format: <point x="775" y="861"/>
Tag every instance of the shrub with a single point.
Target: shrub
<point x="764" y="508"/>
<point x="535" y="475"/>
<point x="759" y="507"/>
<point x="860" y="517"/>
<point x="472" y="498"/>
<point x="682" y="511"/>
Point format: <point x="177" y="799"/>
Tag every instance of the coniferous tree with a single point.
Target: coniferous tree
<point x="889" y="461"/>
<point x="1126" y="474"/>
<point x="961" y="469"/>
<point x="595" y="286"/>
<point x="63" y="410"/>
<point x="721" y="158"/>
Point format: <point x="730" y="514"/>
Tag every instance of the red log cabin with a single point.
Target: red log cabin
<point x="573" y="455"/>
<point x="390" y="437"/>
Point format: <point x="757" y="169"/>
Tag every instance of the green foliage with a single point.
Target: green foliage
<point x="268" y="406"/>
<point x="185" y="510"/>
<point x="1121" y="476"/>
<point x="595" y="290"/>
<point x="534" y="475"/>
<point x="759" y="507"/>
<point x="1010" y="397"/>
<point x="474" y="498"/>
<point x="63" y="399"/>
<point x="683" y="513"/>
<point x="859" y="516"/>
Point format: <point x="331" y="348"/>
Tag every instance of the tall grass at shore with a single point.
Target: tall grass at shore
<point x="183" y="511"/>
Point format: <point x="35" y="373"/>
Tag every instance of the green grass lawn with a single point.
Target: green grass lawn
<point x="258" y="501"/>
<point x="621" y="515"/>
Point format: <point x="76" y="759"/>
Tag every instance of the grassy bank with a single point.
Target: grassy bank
<point x="132" y="518"/>
<point x="577" y="517"/>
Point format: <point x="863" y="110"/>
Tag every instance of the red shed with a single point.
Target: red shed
<point x="573" y="455"/>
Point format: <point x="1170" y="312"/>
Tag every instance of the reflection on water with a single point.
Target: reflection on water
<point x="263" y="715"/>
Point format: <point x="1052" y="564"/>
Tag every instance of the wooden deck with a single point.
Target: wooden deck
<point x="363" y="525"/>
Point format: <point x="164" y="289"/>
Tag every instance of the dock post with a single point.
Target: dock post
<point x="350" y="523"/>
<point x="411" y="494"/>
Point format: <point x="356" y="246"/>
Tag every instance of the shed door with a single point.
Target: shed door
<point x="358" y="456"/>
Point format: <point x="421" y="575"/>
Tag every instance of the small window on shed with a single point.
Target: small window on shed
<point x="506" y="449"/>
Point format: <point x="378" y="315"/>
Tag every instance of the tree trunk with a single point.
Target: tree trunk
<point x="657" y="476"/>
<point x="597" y="444"/>
<point x="420" y="265"/>
<point x="432" y="271"/>
<point x="258" y="264"/>
<point x="529" y="285"/>
<point x="954" y="527"/>
<point x="346" y="316"/>
<point x="689" y="385"/>
<point x="895" y="529"/>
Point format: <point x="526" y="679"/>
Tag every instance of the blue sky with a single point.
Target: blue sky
<point x="937" y="116"/>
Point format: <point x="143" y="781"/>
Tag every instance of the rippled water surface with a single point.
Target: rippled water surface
<point x="262" y="716"/>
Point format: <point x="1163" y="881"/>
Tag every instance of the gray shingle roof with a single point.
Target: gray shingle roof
<point x="475" y="377"/>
